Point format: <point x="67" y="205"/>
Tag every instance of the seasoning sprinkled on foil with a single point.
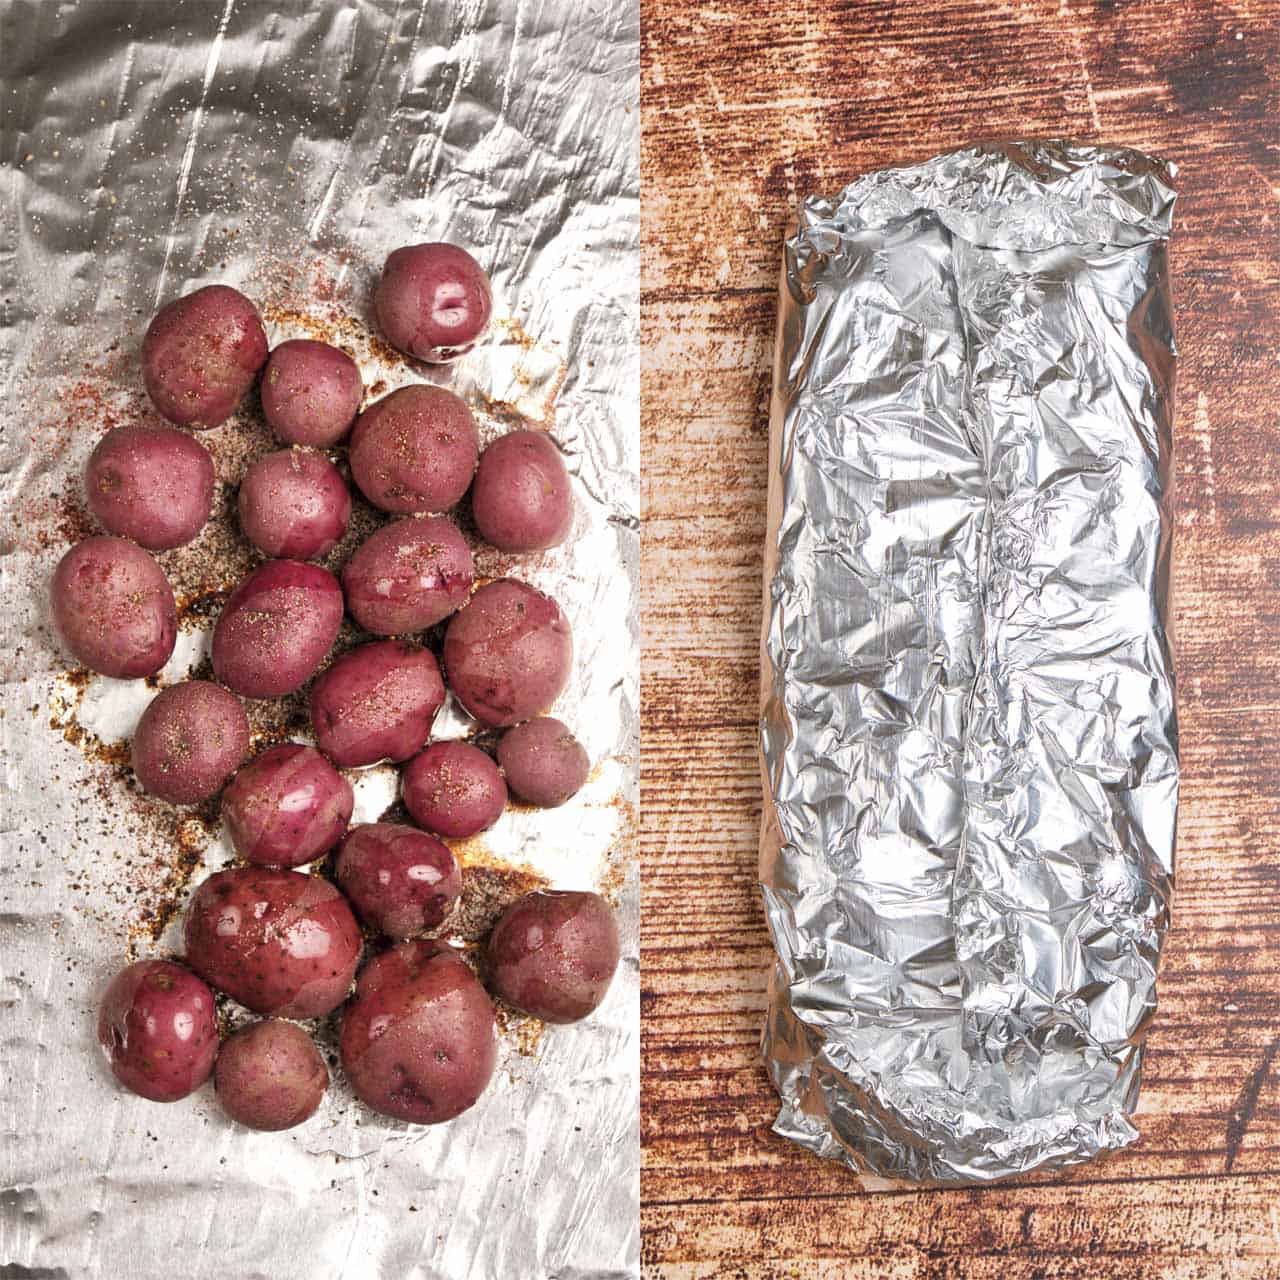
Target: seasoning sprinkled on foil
<point x="968" y="725"/>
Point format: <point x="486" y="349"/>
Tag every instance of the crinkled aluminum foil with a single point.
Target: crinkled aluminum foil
<point x="968" y="732"/>
<point x="285" y="148"/>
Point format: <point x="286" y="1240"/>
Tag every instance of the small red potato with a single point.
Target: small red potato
<point x="287" y="806"/>
<point x="311" y="393"/>
<point x="418" y="1040"/>
<point x="276" y="628"/>
<point x="553" y="954"/>
<point x="508" y="654"/>
<point x="521" y="497"/>
<point x="415" y="450"/>
<point x="191" y="738"/>
<point x="280" y="942"/>
<point x="408" y="576"/>
<point x="544" y="763"/>
<point x="113" y="608"/>
<point x="270" y="1076"/>
<point x="453" y="789"/>
<point x="433" y="301"/>
<point x="377" y="702"/>
<point x="201" y="355"/>
<point x="401" y="881"/>
<point x="156" y="1025"/>
<point x="294" y="504"/>
<point x="151" y="484"/>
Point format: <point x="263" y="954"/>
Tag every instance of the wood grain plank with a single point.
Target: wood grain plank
<point x="747" y="108"/>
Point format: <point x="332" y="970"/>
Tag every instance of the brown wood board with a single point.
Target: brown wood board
<point x="747" y="108"/>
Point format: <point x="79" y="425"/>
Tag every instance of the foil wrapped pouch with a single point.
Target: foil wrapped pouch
<point x="968" y="726"/>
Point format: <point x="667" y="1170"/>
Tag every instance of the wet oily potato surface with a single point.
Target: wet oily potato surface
<point x="294" y="505"/>
<point x="408" y="575"/>
<point x="152" y="485"/>
<point x="114" y="609"/>
<point x="376" y="702"/>
<point x="276" y="628"/>
<point x="270" y="1075"/>
<point x="401" y="881"/>
<point x="419" y="1040"/>
<point x="453" y="789"/>
<point x="279" y="942"/>
<point x="287" y="807"/>
<point x="201" y="355"/>
<point x="157" y="1028"/>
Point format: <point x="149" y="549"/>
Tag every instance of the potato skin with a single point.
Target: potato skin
<point x="280" y="942"/>
<point x="433" y="301"/>
<point x="521" y="497"/>
<point x="544" y="763"/>
<point x="276" y="628"/>
<point x="113" y="608"/>
<point x="287" y="806"/>
<point x="311" y="392"/>
<point x="415" y="450"/>
<point x="156" y="1025"/>
<point x="201" y="355"/>
<point x="270" y="1076"/>
<point x="553" y="954"/>
<point x="418" y="1040"/>
<point x="377" y="702"/>
<point x="151" y="484"/>
<point x="408" y="576"/>
<point x="509" y="653"/>
<point x="401" y="881"/>
<point x="453" y="789"/>
<point x="294" y="505"/>
<point x="191" y="738"/>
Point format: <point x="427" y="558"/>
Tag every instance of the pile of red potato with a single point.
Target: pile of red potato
<point x="417" y="1039"/>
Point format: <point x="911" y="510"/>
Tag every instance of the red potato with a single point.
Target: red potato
<point x="509" y="653"/>
<point x="544" y="763"/>
<point x="270" y="1076"/>
<point x="408" y="576"/>
<point x="311" y="393"/>
<point x="280" y="942"/>
<point x="453" y="789"/>
<point x="418" y="1041"/>
<point x="401" y="881"/>
<point x="553" y="954"/>
<point x="377" y="702"/>
<point x="201" y="355"/>
<point x="521" y="497"/>
<point x="156" y="1025"/>
<point x="294" y="504"/>
<point x="433" y="301"/>
<point x="415" y="450"/>
<point x="113" y="608"/>
<point x="276" y="628"/>
<point x="151" y="484"/>
<point x="286" y="807"/>
<point x="191" y="738"/>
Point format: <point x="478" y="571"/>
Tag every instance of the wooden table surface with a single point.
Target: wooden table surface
<point x="748" y="107"/>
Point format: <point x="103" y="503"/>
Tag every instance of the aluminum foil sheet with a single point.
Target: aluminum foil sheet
<point x="285" y="148"/>
<point x="968" y="734"/>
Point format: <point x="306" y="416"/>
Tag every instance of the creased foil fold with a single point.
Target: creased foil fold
<point x="968" y="725"/>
